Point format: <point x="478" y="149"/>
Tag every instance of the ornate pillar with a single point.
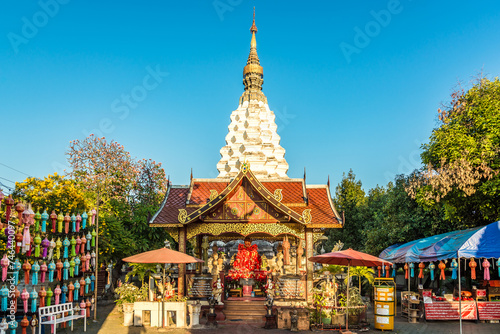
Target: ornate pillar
<point x="309" y="264"/>
<point x="182" y="266"/>
<point x="199" y="253"/>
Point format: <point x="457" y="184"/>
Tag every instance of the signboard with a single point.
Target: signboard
<point x="290" y="288"/>
<point x="449" y="310"/>
<point x="488" y="310"/>
<point x="199" y="286"/>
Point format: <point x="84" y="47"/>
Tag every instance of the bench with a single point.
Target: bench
<point x="55" y="314"/>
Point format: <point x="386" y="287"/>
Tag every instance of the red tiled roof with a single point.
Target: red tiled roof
<point x="170" y="211"/>
<point x="201" y="191"/>
<point x="292" y="191"/>
<point x="319" y="203"/>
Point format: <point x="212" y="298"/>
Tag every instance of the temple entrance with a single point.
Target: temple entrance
<point x="240" y="273"/>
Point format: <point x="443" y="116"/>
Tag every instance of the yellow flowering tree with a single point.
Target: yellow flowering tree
<point x="53" y="192"/>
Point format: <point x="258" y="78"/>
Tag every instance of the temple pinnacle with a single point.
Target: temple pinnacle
<point x="253" y="73"/>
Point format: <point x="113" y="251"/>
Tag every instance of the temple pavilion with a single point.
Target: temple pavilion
<point x="251" y="197"/>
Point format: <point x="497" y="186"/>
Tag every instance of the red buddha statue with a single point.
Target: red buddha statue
<point x="247" y="260"/>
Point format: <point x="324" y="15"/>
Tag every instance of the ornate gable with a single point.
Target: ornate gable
<point x="246" y="205"/>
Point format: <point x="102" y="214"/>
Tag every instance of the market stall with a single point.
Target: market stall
<point x="473" y="252"/>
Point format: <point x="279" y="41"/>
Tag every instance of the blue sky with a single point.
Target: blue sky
<point x="343" y="100"/>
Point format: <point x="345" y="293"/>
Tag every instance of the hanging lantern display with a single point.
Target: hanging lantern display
<point x="73" y="223"/>
<point x="432" y="266"/>
<point x="472" y="265"/>
<point x="84" y="220"/>
<point x="43" y="271"/>
<point x="57" y="294"/>
<point x="441" y="267"/>
<point x="4" y="262"/>
<point x="53" y="218"/>
<point x="44" y="217"/>
<point x="78" y="221"/>
<point x="486" y="266"/>
<point x="60" y="219"/>
<point x="52" y="267"/>
<point x="34" y="297"/>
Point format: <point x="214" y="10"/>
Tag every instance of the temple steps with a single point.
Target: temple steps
<point x="245" y="310"/>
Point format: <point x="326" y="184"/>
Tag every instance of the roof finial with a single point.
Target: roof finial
<point x="253" y="73"/>
<point x="253" y="28"/>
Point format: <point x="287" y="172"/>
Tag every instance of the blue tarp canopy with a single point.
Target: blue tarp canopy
<point x="478" y="242"/>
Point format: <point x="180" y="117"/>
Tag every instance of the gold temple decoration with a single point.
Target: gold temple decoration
<point x="278" y="195"/>
<point x="213" y="194"/>
<point x="182" y="216"/>
<point x="245" y="167"/>
<point x="253" y="73"/>
<point x="306" y="214"/>
<point x="274" y="230"/>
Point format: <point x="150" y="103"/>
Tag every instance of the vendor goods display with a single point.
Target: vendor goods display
<point x="47" y="264"/>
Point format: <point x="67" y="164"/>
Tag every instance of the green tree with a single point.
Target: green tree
<point x="463" y="158"/>
<point x="362" y="273"/>
<point x="349" y="197"/>
<point x="392" y="216"/>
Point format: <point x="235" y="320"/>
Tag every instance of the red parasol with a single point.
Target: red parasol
<point x="349" y="257"/>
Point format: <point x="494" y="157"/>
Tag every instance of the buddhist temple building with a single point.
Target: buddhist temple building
<point x="252" y="197"/>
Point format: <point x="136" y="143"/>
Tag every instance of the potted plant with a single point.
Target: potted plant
<point x="338" y="318"/>
<point x="319" y="304"/>
<point x="128" y="294"/>
<point x="326" y="318"/>
<point x="356" y="306"/>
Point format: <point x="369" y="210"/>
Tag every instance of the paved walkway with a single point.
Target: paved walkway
<point x="110" y="322"/>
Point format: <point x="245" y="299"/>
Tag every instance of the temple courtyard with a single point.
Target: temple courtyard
<point x="110" y="321"/>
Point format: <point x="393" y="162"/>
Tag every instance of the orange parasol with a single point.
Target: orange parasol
<point x="349" y="257"/>
<point x="162" y="255"/>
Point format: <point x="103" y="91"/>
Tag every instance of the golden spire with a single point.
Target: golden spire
<point x="253" y="73"/>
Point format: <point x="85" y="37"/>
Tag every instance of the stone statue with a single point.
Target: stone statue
<point x="218" y="288"/>
<point x="300" y="252"/>
<point x="269" y="305"/>
<point x="264" y="264"/>
<point x="270" y="286"/>
<point x="286" y="251"/>
<point x="279" y="262"/>
<point x="220" y="263"/>
<point x="294" y="321"/>
<point x="215" y="261"/>
<point x="210" y="265"/>
<point x="204" y="247"/>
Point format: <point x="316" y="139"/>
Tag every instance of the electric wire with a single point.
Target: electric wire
<point x="17" y="170"/>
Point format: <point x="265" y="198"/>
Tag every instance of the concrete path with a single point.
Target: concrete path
<point x="110" y="322"/>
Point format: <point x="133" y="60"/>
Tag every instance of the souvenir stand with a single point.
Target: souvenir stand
<point x="48" y="259"/>
<point x="473" y="252"/>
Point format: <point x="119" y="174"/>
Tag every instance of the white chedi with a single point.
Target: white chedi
<point x="253" y="138"/>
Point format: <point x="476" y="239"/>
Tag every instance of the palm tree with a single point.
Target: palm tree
<point x="333" y="269"/>
<point x="361" y="272"/>
<point x="140" y="269"/>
